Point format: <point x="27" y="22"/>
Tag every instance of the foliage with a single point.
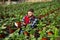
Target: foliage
<point x="13" y="13"/>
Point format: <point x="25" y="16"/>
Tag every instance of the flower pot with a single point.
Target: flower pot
<point x="2" y="35"/>
<point x="11" y="31"/>
<point x="26" y="33"/>
<point x="50" y="33"/>
<point x="44" y="38"/>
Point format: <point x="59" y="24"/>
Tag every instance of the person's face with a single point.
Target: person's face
<point x="30" y="13"/>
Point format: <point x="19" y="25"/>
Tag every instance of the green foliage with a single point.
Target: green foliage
<point x="13" y="13"/>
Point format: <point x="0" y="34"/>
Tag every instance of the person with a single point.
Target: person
<point x="29" y="19"/>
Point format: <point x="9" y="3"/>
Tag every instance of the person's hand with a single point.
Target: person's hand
<point x="23" y="23"/>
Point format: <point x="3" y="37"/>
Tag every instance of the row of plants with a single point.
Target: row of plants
<point x="48" y="27"/>
<point x="44" y="20"/>
<point x="46" y="30"/>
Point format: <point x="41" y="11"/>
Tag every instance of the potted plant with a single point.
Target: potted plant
<point x="18" y="24"/>
<point x="10" y="29"/>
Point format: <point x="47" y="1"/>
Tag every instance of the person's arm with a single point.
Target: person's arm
<point x="23" y="21"/>
<point x="34" y="23"/>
